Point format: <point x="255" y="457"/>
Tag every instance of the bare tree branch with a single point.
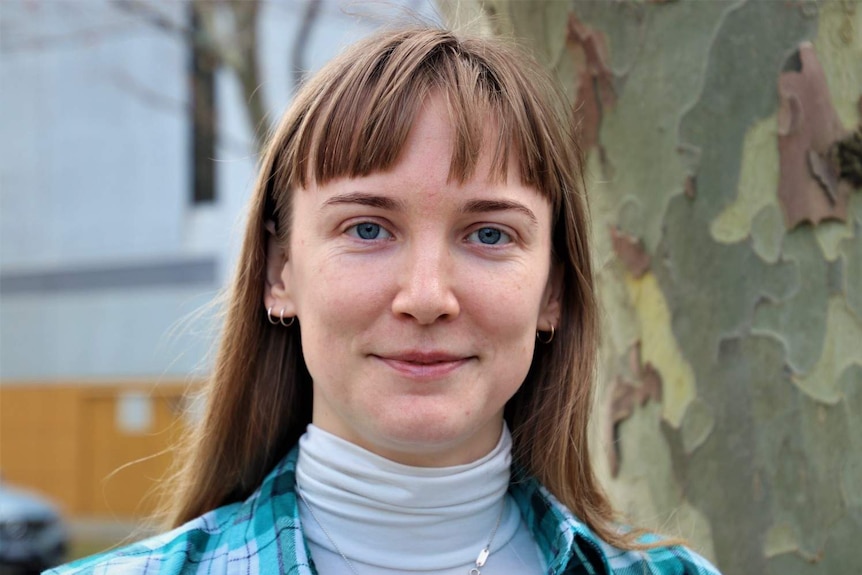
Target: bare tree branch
<point x="238" y="50"/>
<point x="153" y="16"/>
<point x="235" y="48"/>
<point x="309" y="17"/>
<point x="248" y="66"/>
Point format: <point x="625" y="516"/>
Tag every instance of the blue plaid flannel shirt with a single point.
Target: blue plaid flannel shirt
<point x="262" y="535"/>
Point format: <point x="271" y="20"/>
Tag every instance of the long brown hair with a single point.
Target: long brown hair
<point x="351" y="119"/>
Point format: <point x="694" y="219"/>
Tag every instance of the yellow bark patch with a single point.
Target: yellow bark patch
<point x="767" y="232"/>
<point x="840" y="27"/>
<point x="781" y="538"/>
<point x="758" y="182"/>
<point x="830" y="235"/>
<point x="841" y="349"/>
<point x="659" y="347"/>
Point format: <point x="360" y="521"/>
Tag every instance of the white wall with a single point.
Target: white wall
<point x="92" y="165"/>
<point x="95" y="181"/>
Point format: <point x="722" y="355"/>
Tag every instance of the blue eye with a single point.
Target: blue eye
<point x="490" y="236"/>
<point x="368" y="231"/>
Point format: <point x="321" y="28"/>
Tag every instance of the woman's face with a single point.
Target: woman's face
<point x="418" y="299"/>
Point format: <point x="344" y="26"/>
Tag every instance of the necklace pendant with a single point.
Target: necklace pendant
<point x="480" y="560"/>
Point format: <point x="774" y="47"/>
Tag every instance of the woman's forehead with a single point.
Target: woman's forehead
<point x="440" y="146"/>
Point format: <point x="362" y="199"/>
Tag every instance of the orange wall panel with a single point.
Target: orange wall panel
<point x="97" y="449"/>
<point x="39" y="440"/>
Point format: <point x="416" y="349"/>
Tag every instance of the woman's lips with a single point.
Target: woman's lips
<point x="424" y="365"/>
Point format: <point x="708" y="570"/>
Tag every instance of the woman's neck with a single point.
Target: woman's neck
<point x="378" y="512"/>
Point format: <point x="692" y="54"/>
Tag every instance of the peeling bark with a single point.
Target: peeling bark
<point x="691" y="187"/>
<point x="808" y="126"/>
<point x="595" y="92"/>
<point x="627" y="396"/>
<point x="631" y="252"/>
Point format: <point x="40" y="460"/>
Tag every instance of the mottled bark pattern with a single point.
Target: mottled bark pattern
<point x="749" y="306"/>
<point x="809" y="187"/>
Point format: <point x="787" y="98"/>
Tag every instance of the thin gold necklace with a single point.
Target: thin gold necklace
<point x="480" y="560"/>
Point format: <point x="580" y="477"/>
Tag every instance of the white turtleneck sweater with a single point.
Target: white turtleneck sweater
<point x="390" y="518"/>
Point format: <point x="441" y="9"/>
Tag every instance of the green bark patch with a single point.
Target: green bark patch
<point x="799" y="321"/>
<point x="851" y="258"/>
<point x="660" y="77"/>
<point x="850" y="385"/>
<point x="697" y="424"/>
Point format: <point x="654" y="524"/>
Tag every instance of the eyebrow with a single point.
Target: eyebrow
<point x="387" y="203"/>
<point x="481" y="206"/>
<point x="363" y="199"/>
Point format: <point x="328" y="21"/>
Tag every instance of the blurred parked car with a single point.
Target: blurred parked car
<point x="32" y="534"/>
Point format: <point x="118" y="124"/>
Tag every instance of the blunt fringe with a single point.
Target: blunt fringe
<point x="352" y="119"/>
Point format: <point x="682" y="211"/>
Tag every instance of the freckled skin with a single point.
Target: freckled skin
<point x="418" y="278"/>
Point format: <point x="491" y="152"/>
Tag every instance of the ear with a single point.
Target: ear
<point x="549" y="313"/>
<point x="276" y="290"/>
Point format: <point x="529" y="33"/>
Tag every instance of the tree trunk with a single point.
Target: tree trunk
<point x="723" y="178"/>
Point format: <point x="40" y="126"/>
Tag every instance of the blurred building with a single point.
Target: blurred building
<point x="126" y="157"/>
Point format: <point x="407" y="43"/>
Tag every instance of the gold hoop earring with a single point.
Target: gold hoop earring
<point x="281" y="319"/>
<point x="545" y="341"/>
<point x="269" y="316"/>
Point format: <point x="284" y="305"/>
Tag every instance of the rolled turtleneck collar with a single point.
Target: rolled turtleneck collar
<point x="382" y="514"/>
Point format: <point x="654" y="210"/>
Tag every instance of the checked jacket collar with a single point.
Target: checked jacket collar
<point x="262" y="535"/>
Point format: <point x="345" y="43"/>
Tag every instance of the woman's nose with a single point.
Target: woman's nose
<point x="425" y="290"/>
